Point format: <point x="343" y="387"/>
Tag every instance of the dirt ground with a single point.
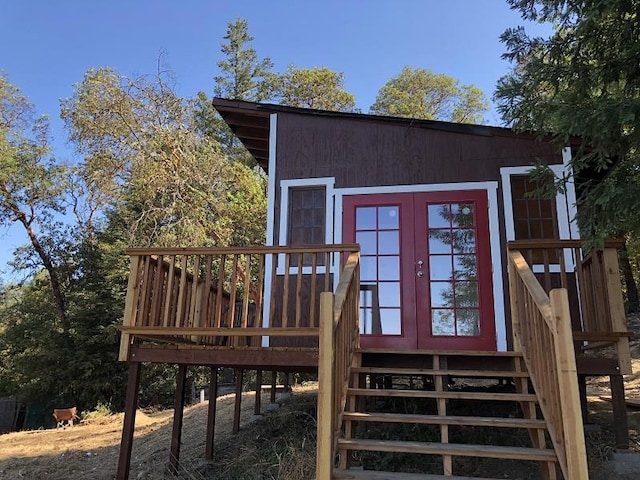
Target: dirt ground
<point x="90" y="450"/>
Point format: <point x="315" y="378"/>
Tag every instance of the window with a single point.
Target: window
<point x="307" y="222"/>
<point x="306" y="217"/>
<point x="533" y="217"/>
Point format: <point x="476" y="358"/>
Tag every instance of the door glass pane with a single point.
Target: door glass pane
<point x="468" y="322"/>
<point x="465" y="266"/>
<point x="366" y="218"/>
<point x="367" y="241"/>
<point x="440" y="267"/>
<point x="389" y="294"/>
<point x="442" y="294"/>
<point x="466" y="294"/>
<point x="388" y="217"/>
<point x="462" y="214"/>
<point x="464" y="241"/>
<point x="439" y="215"/>
<point x="389" y="242"/>
<point x="389" y="268"/>
<point x="453" y="269"/>
<point x="368" y="268"/>
<point x="390" y="321"/>
<point x="439" y="241"/>
<point x="443" y="322"/>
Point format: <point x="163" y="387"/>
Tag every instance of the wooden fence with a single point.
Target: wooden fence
<point x="542" y="331"/>
<point x="227" y="296"/>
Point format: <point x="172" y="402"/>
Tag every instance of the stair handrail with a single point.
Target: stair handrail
<point x="339" y="339"/>
<point x="542" y="332"/>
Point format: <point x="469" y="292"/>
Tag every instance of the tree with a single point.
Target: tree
<point x="319" y="87"/>
<point x="32" y="186"/>
<point x="423" y="94"/>
<point x="583" y="81"/>
<point x="166" y="183"/>
<point x="243" y="76"/>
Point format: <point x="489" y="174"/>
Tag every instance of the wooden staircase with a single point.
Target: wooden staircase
<point x="433" y="410"/>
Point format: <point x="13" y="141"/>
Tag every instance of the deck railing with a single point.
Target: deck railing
<point x="228" y="296"/>
<point x="339" y="338"/>
<point x="542" y="332"/>
<point x="594" y="289"/>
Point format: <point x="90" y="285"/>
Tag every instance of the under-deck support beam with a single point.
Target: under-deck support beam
<point x="131" y="405"/>
<point x="238" y="401"/>
<point x="619" y="408"/>
<point x="178" y="415"/>
<point x="258" y="400"/>
<point x="211" y="414"/>
<point x="274" y="384"/>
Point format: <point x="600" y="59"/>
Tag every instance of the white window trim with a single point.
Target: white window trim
<point x="271" y="210"/>
<point x="565" y="208"/>
<point x="494" y="234"/>
<point x="328" y="184"/>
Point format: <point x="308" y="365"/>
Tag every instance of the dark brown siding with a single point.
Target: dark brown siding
<point x="365" y="153"/>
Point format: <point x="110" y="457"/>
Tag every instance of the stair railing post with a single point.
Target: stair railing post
<point x="326" y="355"/>
<point x="576" y="456"/>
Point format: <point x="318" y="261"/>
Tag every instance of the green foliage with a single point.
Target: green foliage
<point x="423" y="94"/>
<point x="320" y="88"/>
<point x="243" y="76"/>
<point x="584" y="81"/>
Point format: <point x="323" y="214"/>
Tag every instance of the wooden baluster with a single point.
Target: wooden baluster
<point x="247" y="288"/>
<point x="219" y="293"/>
<point x="157" y="292"/>
<point x="169" y="299"/>
<point x="274" y="284"/>
<point x="182" y="293"/>
<point x="232" y="297"/>
<point x="194" y="307"/>
<point x="299" y="290"/>
<point x="146" y="292"/>
<point x="327" y="272"/>
<point x="204" y="318"/>
<point x="257" y="341"/>
<point x="312" y="293"/>
<point x="285" y="292"/>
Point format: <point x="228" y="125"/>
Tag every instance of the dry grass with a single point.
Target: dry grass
<point x="90" y="450"/>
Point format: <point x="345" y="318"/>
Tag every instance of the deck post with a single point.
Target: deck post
<point x="178" y="414"/>
<point x="619" y="408"/>
<point x="258" y="404"/>
<point x="238" y="401"/>
<point x="274" y="383"/>
<point x="576" y="455"/>
<point x="131" y="404"/>
<point x="324" y="458"/>
<point x="211" y="413"/>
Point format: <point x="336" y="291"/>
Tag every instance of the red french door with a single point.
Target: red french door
<point x="425" y="269"/>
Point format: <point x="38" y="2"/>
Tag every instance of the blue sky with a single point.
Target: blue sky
<point x="46" y="46"/>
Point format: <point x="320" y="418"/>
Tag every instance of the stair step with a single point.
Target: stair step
<point x="445" y="420"/>
<point x="454" y="449"/>
<point x="458" y="395"/>
<point x="440" y="353"/>
<point x="339" y="474"/>
<point x="441" y="372"/>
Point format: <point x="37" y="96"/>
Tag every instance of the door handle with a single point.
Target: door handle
<point x="420" y="273"/>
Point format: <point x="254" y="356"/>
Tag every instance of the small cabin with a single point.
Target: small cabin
<point x="396" y="248"/>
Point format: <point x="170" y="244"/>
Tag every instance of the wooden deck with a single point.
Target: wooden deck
<point x="296" y="309"/>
